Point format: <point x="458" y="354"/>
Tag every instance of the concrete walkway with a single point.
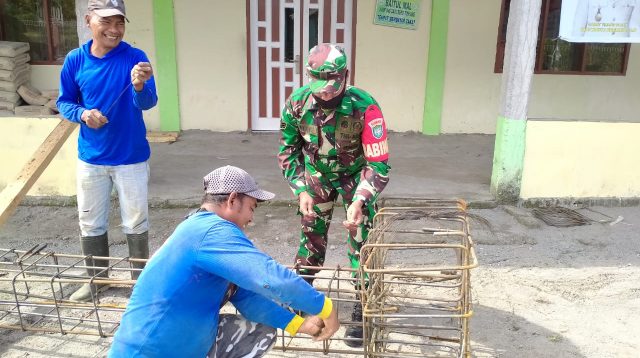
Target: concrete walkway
<point x="445" y="166"/>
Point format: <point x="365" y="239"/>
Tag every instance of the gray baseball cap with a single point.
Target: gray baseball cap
<point x="229" y="179"/>
<point x="105" y="8"/>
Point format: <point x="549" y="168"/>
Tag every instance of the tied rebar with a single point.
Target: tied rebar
<point x="413" y="283"/>
<point x="35" y="290"/>
<point x="417" y="301"/>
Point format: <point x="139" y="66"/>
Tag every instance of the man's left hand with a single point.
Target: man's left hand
<point x="330" y="326"/>
<point x="312" y="326"/>
<point x="354" y="215"/>
<point x="141" y="73"/>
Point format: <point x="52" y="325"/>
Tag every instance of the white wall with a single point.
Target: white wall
<point x="26" y="136"/>
<point x="391" y="64"/>
<point x="581" y="160"/>
<point x="472" y="90"/>
<point x="45" y="77"/>
<point x="140" y="34"/>
<point x="611" y="98"/>
<point x="211" y="45"/>
<point x="212" y="65"/>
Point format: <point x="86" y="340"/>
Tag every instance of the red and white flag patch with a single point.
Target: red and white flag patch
<point x="374" y="135"/>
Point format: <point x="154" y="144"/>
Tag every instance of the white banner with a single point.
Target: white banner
<point x="610" y="21"/>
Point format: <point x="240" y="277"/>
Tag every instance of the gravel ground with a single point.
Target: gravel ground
<point x="540" y="291"/>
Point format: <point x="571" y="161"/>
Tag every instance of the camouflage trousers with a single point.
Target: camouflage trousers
<point x="238" y="337"/>
<point x="324" y="189"/>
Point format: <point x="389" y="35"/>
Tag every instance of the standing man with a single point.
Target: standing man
<point x="105" y="85"/>
<point x="333" y="141"/>
<point x="207" y="261"/>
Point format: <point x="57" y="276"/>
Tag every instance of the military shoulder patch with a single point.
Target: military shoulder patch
<point x="376" y="127"/>
<point x="374" y="135"/>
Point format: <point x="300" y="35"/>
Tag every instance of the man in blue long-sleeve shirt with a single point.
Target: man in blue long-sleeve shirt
<point x="174" y="307"/>
<point x="105" y="85"/>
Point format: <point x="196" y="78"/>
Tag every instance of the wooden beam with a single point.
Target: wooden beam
<point x="15" y="191"/>
<point x="162" y="137"/>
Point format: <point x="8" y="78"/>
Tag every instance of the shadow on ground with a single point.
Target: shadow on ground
<point x="498" y="333"/>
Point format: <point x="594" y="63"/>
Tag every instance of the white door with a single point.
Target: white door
<point x="281" y="32"/>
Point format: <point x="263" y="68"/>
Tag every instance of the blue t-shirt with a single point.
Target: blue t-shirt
<point x="174" y="307"/>
<point x="89" y="82"/>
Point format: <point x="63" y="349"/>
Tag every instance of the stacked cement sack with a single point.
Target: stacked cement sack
<point x="38" y="103"/>
<point x="14" y="72"/>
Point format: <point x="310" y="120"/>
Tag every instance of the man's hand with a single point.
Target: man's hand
<point x="312" y="326"/>
<point x="354" y="215"/>
<point x="306" y="205"/>
<point x="331" y="325"/>
<point x="140" y="74"/>
<point x="93" y="118"/>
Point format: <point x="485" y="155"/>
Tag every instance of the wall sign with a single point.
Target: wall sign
<point x="611" y="21"/>
<point x="397" y="13"/>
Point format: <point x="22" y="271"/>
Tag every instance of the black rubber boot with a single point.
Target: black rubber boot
<point x="94" y="246"/>
<point x="354" y="333"/>
<point x="139" y="249"/>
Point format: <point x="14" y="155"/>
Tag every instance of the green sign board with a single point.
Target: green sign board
<point x="397" y="13"/>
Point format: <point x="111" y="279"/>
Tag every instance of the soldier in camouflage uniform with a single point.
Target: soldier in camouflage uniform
<point x="333" y="141"/>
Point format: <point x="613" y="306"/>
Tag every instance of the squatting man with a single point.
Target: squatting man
<point x="207" y="261"/>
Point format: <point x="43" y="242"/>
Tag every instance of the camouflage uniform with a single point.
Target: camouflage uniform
<point x="329" y="152"/>
<point x="238" y="337"/>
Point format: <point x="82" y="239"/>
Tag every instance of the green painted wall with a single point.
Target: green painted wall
<point x="166" y="69"/>
<point x="508" y="159"/>
<point x="437" y="58"/>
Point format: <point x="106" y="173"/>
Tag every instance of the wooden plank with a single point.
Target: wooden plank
<point x="162" y="137"/>
<point x="15" y="191"/>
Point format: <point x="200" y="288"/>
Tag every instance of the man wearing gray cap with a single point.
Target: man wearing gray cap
<point x="104" y="86"/>
<point x="207" y="261"/>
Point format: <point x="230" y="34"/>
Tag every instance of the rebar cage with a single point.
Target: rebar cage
<point x="413" y="284"/>
<point x="35" y="287"/>
<point x="415" y="268"/>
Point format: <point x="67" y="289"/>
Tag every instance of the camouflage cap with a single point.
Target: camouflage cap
<point x="326" y="67"/>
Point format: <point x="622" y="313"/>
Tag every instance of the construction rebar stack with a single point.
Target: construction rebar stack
<point x="35" y="287"/>
<point x="339" y="284"/>
<point x="413" y="284"/>
<point x="416" y="270"/>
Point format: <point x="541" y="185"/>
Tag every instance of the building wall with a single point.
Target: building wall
<point x="608" y="98"/>
<point x="140" y="34"/>
<point x="45" y="77"/>
<point x="472" y="90"/>
<point x="213" y="72"/>
<point x="26" y="136"/>
<point x="391" y="64"/>
<point x="581" y="160"/>
<point x="211" y="45"/>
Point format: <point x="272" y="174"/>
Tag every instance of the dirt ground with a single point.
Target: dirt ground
<point x="540" y="291"/>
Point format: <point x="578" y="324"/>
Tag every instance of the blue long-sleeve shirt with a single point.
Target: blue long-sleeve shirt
<point x="89" y="82"/>
<point x="174" y="307"/>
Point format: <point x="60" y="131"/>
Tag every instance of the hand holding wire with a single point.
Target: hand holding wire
<point x="141" y="73"/>
<point x="93" y="118"/>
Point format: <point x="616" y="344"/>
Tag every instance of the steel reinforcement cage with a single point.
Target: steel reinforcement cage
<point x="413" y="284"/>
<point x="415" y="268"/>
